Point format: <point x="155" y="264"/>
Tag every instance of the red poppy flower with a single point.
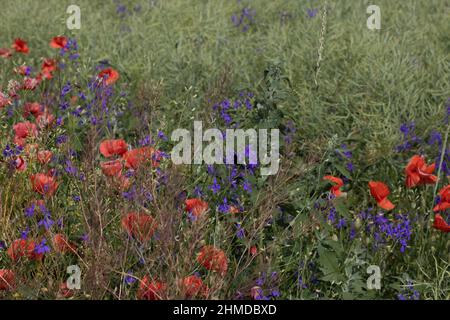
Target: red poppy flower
<point x="4" y="100"/>
<point x="380" y="192"/>
<point x="62" y="245"/>
<point x="20" y="164"/>
<point x="44" y="184"/>
<point x="112" y="168"/>
<point x="109" y="75"/>
<point x="151" y="290"/>
<point x="109" y="148"/>
<point x="193" y="286"/>
<point x="58" y="42"/>
<point x="5" y="53"/>
<point x="23" y="248"/>
<point x="48" y="66"/>
<point x="20" y="46"/>
<point x="444" y="201"/>
<point x="7" y="279"/>
<point x="44" y="156"/>
<point x="337" y="184"/>
<point x="33" y="108"/>
<point x="213" y="259"/>
<point x="253" y="250"/>
<point x="196" y="206"/>
<point x="134" y="158"/>
<point x="417" y="172"/>
<point x="440" y="224"/>
<point x="141" y="226"/>
<point x="23" y="130"/>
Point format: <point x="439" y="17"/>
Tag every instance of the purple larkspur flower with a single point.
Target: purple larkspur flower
<point x="215" y="187"/>
<point x="66" y="89"/>
<point x="24" y="233"/>
<point x="29" y="212"/>
<point x="311" y="12"/>
<point x="162" y="136"/>
<point x="224" y="207"/>
<point x="240" y="232"/>
<point x="247" y="186"/>
<point x="129" y="279"/>
<point x="42" y="247"/>
<point x="342" y="223"/>
<point x="61" y="139"/>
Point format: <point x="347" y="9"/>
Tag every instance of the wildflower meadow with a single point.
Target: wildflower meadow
<point x="224" y="150"/>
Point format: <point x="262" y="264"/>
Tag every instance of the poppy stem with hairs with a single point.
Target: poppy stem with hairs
<point x="441" y="160"/>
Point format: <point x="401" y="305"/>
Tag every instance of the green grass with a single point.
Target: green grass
<point x="187" y="55"/>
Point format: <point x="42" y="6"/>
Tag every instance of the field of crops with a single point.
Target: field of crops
<point x="118" y="181"/>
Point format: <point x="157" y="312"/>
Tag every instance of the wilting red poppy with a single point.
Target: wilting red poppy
<point x="5" y="53"/>
<point x="196" y="206"/>
<point x="7" y="279"/>
<point x="51" y="172"/>
<point x="122" y="182"/>
<point x="38" y="203"/>
<point x="30" y="83"/>
<point x="64" y="291"/>
<point x="45" y="120"/>
<point x="20" y="46"/>
<point x="48" y="66"/>
<point x="44" y="184"/>
<point x="193" y="286"/>
<point x="44" y="156"/>
<point x="73" y="100"/>
<point x="33" y="108"/>
<point x="58" y="42"/>
<point x="213" y="259"/>
<point x="4" y="100"/>
<point x="444" y="199"/>
<point x="233" y="210"/>
<point x="62" y="245"/>
<point x="440" y="224"/>
<point x="256" y="293"/>
<point x="134" y="158"/>
<point x="109" y="75"/>
<point x="22" y="70"/>
<point x="109" y="148"/>
<point x="337" y="184"/>
<point x="23" y="248"/>
<point x="417" y="172"/>
<point x="112" y="168"/>
<point x="151" y="290"/>
<point x="141" y="226"/>
<point x="20" y="164"/>
<point x="30" y="148"/>
<point x="380" y="192"/>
